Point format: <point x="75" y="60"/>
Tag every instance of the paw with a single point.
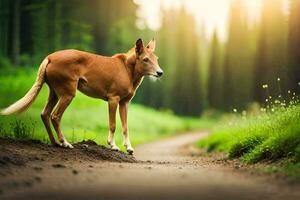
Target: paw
<point x="66" y="144"/>
<point x="130" y="150"/>
<point x="113" y="146"/>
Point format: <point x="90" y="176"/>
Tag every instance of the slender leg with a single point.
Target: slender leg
<point x="45" y="115"/>
<point x="112" y="107"/>
<point x="123" y="109"/>
<point x="63" y="103"/>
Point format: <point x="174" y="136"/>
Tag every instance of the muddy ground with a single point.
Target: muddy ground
<point x="167" y="169"/>
<point x="34" y="156"/>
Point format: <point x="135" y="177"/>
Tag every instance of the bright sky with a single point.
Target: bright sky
<point x="213" y="13"/>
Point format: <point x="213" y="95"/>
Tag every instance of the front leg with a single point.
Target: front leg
<point x="112" y="107"/>
<point x="123" y="109"/>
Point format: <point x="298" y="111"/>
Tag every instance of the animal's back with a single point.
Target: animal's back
<point x="68" y="64"/>
<point x="70" y="56"/>
<point x="93" y="74"/>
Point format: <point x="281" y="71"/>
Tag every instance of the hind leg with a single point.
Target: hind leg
<point x="45" y="115"/>
<point x="63" y="103"/>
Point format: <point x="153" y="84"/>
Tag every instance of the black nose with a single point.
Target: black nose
<point x="159" y="73"/>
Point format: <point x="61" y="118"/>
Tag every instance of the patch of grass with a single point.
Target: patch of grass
<point x="244" y="146"/>
<point x="297" y="153"/>
<point x="286" y="167"/>
<point x="22" y="129"/>
<point x="87" y="118"/>
<point x="292" y="169"/>
<point x="270" y="136"/>
<point x="280" y="145"/>
<point x="2" y="131"/>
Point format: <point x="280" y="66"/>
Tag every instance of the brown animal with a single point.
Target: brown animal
<point x="114" y="79"/>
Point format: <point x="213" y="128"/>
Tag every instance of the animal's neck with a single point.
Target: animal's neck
<point x="135" y="75"/>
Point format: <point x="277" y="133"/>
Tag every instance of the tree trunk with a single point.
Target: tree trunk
<point x="16" y="32"/>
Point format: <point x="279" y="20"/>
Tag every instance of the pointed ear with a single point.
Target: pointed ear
<point x="151" y="45"/>
<point x="139" y="47"/>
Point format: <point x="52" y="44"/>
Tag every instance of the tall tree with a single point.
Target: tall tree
<point x="271" y="55"/>
<point x="4" y="30"/>
<point x="111" y="17"/>
<point x="167" y="52"/>
<point x="16" y="13"/>
<point x="186" y="91"/>
<point x="215" y="79"/>
<point x="39" y="34"/>
<point x="55" y="25"/>
<point x="294" y="46"/>
<point x="204" y="61"/>
<point x="158" y="94"/>
<point x="238" y="59"/>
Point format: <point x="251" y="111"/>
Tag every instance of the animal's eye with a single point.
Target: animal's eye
<point x="146" y="59"/>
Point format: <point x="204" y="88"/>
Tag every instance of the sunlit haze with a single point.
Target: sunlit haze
<point x="213" y="14"/>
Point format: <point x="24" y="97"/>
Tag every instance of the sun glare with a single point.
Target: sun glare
<point x="213" y="14"/>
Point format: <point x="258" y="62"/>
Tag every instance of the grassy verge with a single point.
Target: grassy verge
<point x="271" y="137"/>
<point x="85" y="118"/>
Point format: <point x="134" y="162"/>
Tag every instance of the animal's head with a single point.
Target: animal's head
<point x="146" y="60"/>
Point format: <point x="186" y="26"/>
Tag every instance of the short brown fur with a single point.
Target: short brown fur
<point x="114" y="79"/>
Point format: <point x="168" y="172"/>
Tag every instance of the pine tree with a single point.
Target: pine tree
<point x="215" y="79"/>
<point x="204" y="61"/>
<point x="111" y="19"/>
<point x="238" y="60"/>
<point x="39" y="30"/>
<point x="158" y="94"/>
<point x="4" y="30"/>
<point x="294" y="46"/>
<point x="271" y="63"/>
<point x="167" y="52"/>
<point x="186" y="90"/>
<point x="15" y="36"/>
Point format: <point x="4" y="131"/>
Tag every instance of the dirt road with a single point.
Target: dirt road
<point x="170" y="169"/>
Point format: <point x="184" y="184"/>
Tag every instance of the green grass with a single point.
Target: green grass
<point x="272" y="137"/>
<point x="85" y="118"/>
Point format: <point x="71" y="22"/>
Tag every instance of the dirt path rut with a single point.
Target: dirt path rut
<point x="169" y="169"/>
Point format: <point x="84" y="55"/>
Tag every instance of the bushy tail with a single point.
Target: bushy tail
<point x="24" y="103"/>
